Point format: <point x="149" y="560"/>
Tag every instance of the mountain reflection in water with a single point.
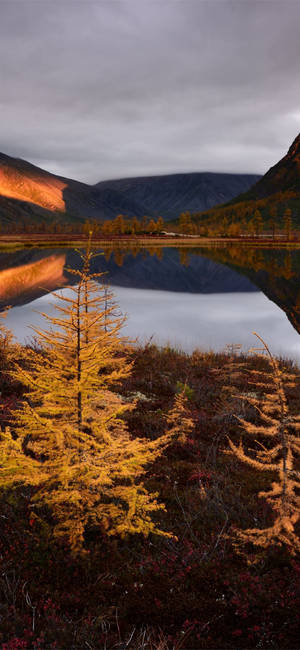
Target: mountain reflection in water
<point x="196" y="297"/>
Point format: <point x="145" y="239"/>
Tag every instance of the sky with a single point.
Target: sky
<point x="97" y="89"/>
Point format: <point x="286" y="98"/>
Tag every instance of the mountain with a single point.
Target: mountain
<point x="283" y="177"/>
<point x="28" y="192"/>
<point x="171" y="194"/>
<point x="274" y="193"/>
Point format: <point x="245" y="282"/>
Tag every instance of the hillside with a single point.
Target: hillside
<point x="283" y="177"/>
<point x="171" y="194"/>
<point x="277" y="192"/>
<point x="28" y="193"/>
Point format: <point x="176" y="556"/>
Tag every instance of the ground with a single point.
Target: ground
<point x="195" y="590"/>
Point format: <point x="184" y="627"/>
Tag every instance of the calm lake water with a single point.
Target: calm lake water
<point x="187" y="298"/>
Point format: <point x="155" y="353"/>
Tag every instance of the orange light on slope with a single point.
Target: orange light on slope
<point x="47" y="273"/>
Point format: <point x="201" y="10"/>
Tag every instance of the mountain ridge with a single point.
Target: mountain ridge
<point x="284" y="175"/>
<point x="30" y="192"/>
<point x="168" y="195"/>
<point x="275" y="193"/>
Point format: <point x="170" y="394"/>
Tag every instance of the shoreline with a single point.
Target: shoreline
<point x="23" y="241"/>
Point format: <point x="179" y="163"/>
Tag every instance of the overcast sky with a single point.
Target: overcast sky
<point x="105" y="89"/>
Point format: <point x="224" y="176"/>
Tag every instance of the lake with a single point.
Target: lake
<point x="188" y="298"/>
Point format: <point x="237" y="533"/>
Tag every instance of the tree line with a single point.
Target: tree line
<point x="258" y="219"/>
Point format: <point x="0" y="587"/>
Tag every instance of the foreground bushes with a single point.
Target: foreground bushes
<point x="198" y="591"/>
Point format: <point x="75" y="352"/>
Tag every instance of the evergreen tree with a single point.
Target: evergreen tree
<point x="273" y="217"/>
<point x="185" y="223"/>
<point x="135" y="226"/>
<point x="257" y="222"/>
<point x="287" y="219"/>
<point x="160" y="224"/>
<point x="224" y="227"/>
<point x="10" y="351"/>
<point x="72" y="444"/>
<point x="6" y="340"/>
<point x="276" y="455"/>
<point x="119" y="225"/>
<point x="234" y="230"/>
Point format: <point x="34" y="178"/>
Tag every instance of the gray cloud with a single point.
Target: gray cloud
<point x="97" y="90"/>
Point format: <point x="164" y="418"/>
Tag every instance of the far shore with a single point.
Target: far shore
<point x="41" y="240"/>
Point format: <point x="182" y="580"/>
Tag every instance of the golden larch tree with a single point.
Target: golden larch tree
<point x="288" y="222"/>
<point x="276" y="454"/>
<point x="72" y="443"/>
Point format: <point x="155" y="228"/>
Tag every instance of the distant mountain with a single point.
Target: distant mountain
<point x="28" y="192"/>
<point x="171" y="194"/>
<point x="276" y="191"/>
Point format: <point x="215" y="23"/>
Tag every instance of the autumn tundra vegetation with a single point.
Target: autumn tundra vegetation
<point x="149" y="498"/>
<point x="252" y="219"/>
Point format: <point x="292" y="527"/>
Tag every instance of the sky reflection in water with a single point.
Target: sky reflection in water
<point x="187" y="321"/>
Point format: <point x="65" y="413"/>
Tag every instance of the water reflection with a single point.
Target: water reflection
<point x="186" y="321"/>
<point x="189" y="297"/>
